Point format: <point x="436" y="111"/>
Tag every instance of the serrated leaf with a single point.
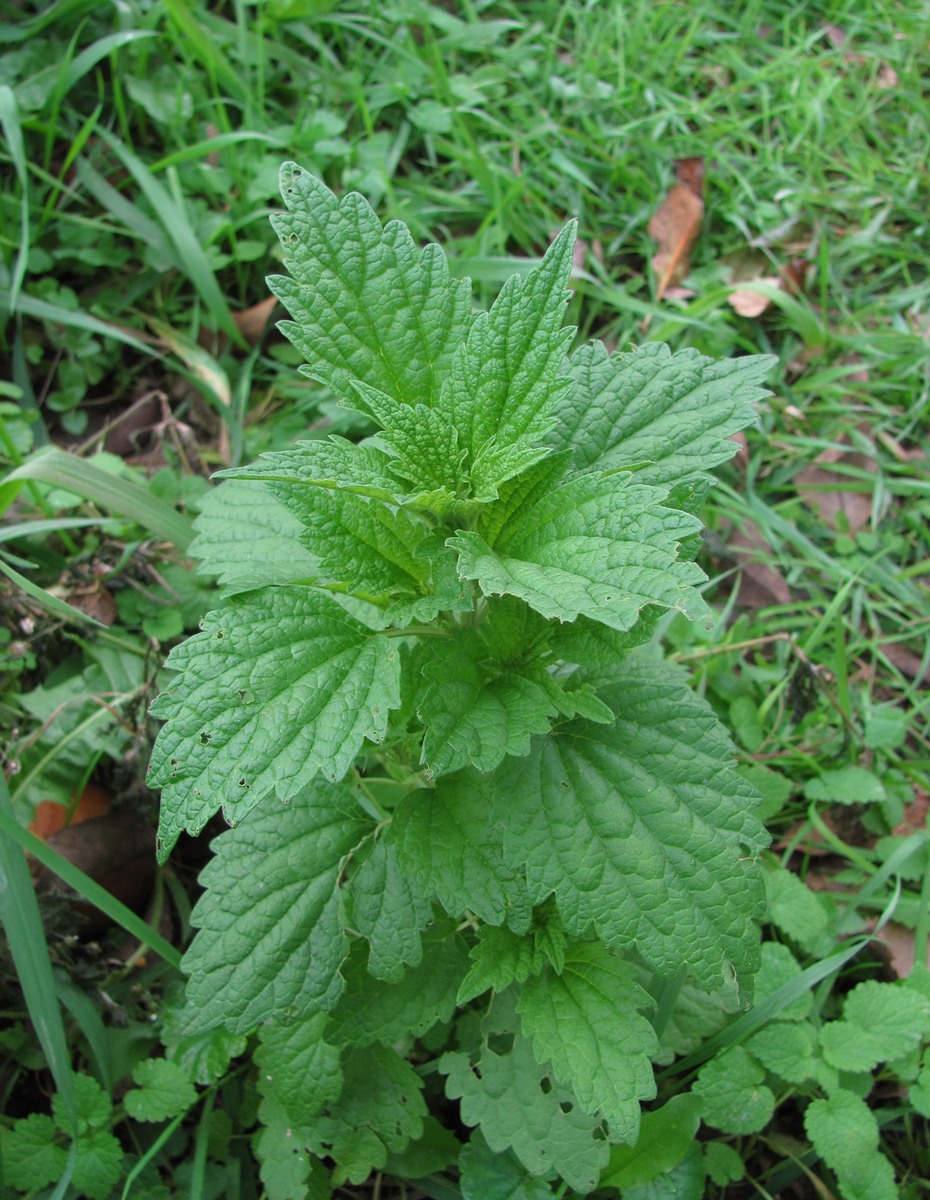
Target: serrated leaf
<point x="279" y="685"/>
<point x="733" y="1093"/>
<point x="98" y="1164"/>
<point x="474" y="720"/>
<point x="204" y="1057"/>
<point x="373" y="1011"/>
<point x="424" y="446"/>
<point x="248" y="539"/>
<point x="164" y="1090"/>
<point x="284" y="1164"/>
<point x="845" y="785"/>
<point x="484" y="1175"/>
<point x="673" y="413"/>
<point x="586" y="1022"/>
<point x="597" y="647"/>
<point x="639" y="828"/>
<point x="500" y="957"/>
<point x="504" y="384"/>
<point x="845" y="1134"/>
<point x="881" y="1022"/>
<point x="271" y="937"/>
<point x="389" y="910"/>
<point x="786" y="1049"/>
<point x="334" y="463"/>
<point x="93" y="1106"/>
<point x="520" y="1107"/>
<point x="445" y="842"/>
<point x="31" y="1157"/>
<point x="362" y="543"/>
<point x="366" y="303"/>
<point x="603" y="547"/>
<point x="665" y="1137"/>
<point x="298" y="1068"/>
<point x="380" y="1109"/>
<point x="794" y="908"/>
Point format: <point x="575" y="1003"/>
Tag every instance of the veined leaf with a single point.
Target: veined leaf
<point x="371" y="1011"/>
<point x="390" y="911"/>
<point x="248" y="539"/>
<point x="332" y="463"/>
<point x="280" y="684"/>
<point x="424" y="443"/>
<point x="586" y="1021"/>
<point x="380" y="1109"/>
<point x="298" y="1068"/>
<point x="366" y="303"/>
<point x="473" y="720"/>
<point x="597" y="546"/>
<point x="520" y="1107"/>
<point x="640" y="828"/>
<point x="445" y="842"/>
<point x="672" y="412"/>
<point x="271" y="940"/>
<point x="505" y="383"/>
<point x="365" y="544"/>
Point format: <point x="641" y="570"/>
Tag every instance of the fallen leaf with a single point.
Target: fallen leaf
<point x="252" y="322"/>
<point x="829" y="493"/>
<point x="896" y="944"/>
<point x="887" y="78"/>
<point x="749" y="303"/>
<point x="676" y="223"/>
<point x="51" y="816"/>
<point x="95" y="601"/>
<point x="907" y="662"/>
<point x="760" y="585"/>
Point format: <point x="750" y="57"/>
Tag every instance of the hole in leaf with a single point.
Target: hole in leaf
<point x="205" y="738"/>
<point x="220" y="634"/>
<point x="566" y="1106"/>
<point x="501" y="1043"/>
<point x="545" y="1085"/>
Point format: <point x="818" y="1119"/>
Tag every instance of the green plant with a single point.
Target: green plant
<point x="500" y="819"/>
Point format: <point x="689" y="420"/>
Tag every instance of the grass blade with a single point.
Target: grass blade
<point x="122" y="496"/>
<point x="19" y="913"/>
<point x="13" y="134"/>
<point x="86" y="887"/>
<point x="185" y="241"/>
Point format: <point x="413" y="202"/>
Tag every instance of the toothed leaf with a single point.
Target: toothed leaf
<point x="671" y="413"/>
<point x="586" y="1021"/>
<point x="281" y="684"/>
<point x="271" y="934"/>
<point x="366" y="303"/>
<point x="597" y="546"/>
<point x="640" y="828"/>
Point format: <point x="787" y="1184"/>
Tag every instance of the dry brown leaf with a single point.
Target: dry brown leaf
<point x="829" y="493"/>
<point x="887" y="78"/>
<point x="748" y="303"/>
<point x="907" y="662"/>
<point x="94" y="600"/>
<point x="760" y="585"/>
<point x="252" y="322"/>
<point x="676" y="223"/>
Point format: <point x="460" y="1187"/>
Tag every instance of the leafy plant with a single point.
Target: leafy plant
<point x="500" y="813"/>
